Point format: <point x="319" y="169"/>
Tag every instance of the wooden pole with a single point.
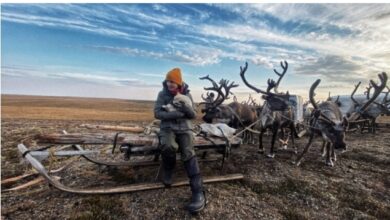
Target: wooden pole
<point x="114" y="128"/>
<point x="135" y="139"/>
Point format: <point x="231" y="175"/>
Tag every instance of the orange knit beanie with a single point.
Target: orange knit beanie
<point x="174" y="75"/>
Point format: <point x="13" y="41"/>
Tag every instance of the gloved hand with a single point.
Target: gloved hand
<point x="178" y="114"/>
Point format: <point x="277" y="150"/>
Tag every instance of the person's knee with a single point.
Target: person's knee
<point x="187" y="154"/>
<point x="168" y="151"/>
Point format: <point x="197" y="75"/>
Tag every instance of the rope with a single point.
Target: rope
<point x="242" y="124"/>
<point x="247" y="128"/>
<point x="227" y="146"/>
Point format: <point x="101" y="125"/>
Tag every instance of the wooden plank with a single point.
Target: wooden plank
<point x="114" y="128"/>
<point x="383" y="120"/>
<point x="97" y="138"/>
<point x="135" y="139"/>
<point x="12" y="180"/>
<point x="25" y="185"/>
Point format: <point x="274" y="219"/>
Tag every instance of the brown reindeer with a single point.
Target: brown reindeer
<point x="275" y="113"/>
<point x="255" y="110"/>
<point x="327" y="121"/>
<point x="234" y="114"/>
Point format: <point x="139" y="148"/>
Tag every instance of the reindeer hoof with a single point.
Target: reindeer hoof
<point x="297" y="163"/>
<point x="329" y="163"/>
<point x="270" y="155"/>
<point x="284" y="147"/>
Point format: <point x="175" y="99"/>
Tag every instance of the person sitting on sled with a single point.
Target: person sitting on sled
<point x="176" y="135"/>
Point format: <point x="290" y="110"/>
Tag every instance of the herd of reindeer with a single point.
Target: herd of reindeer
<point x="329" y="119"/>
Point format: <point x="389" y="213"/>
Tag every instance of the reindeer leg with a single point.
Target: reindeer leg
<point x="362" y="125"/>
<point x="328" y="160"/>
<point x="284" y="143"/>
<point x="333" y="155"/>
<point x="292" y="133"/>
<point x="299" y="159"/>
<point x="323" y="150"/>
<point x="261" y="147"/>
<point x="274" y="135"/>
<point x="248" y="135"/>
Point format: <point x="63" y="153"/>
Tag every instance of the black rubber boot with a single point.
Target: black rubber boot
<point x="198" y="200"/>
<point x="168" y="166"/>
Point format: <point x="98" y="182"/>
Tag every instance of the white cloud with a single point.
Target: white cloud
<point x="96" y="78"/>
<point x="261" y="61"/>
<point x="193" y="55"/>
<point x="88" y="22"/>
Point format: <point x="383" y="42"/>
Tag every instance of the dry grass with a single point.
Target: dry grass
<point x="357" y="187"/>
<point x="72" y="108"/>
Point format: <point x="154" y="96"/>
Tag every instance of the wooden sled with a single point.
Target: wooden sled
<point x="131" y="146"/>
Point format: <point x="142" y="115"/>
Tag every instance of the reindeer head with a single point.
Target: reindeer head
<point x="212" y="106"/>
<point x="336" y="133"/>
<point x="275" y="100"/>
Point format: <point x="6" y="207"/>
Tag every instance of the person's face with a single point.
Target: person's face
<point x="171" y="85"/>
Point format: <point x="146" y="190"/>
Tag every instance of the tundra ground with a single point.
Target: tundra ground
<point x="357" y="187"/>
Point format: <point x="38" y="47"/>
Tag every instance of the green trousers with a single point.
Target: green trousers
<point x="174" y="141"/>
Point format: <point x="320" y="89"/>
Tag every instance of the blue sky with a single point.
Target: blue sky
<point x="125" y="50"/>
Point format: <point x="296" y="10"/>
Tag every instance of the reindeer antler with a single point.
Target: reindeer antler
<point x="227" y="87"/>
<point x="368" y="90"/>
<point x="353" y="93"/>
<point x="209" y="95"/>
<point x="223" y="84"/>
<point x="284" y="67"/>
<point x="271" y="83"/>
<point x="329" y="98"/>
<point x="314" y="103"/>
<point x="312" y="94"/>
<point x="377" y="91"/>
<point x="215" y="88"/>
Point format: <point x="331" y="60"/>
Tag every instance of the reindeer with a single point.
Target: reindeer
<point x="328" y="122"/>
<point x="255" y="109"/>
<point x="251" y="101"/>
<point x="213" y="108"/>
<point x="276" y="113"/>
<point x="374" y="110"/>
<point x="234" y="114"/>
